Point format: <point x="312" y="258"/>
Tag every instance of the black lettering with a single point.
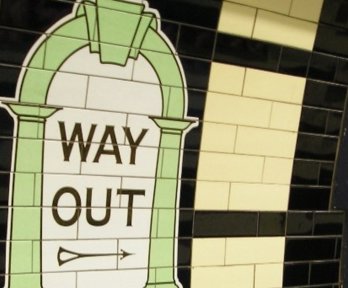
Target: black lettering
<point x="75" y="217"/>
<point x="109" y="132"/>
<point x="131" y="194"/>
<point x="106" y="218"/>
<point x="134" y="144"/>
<point x="77" y="133"/>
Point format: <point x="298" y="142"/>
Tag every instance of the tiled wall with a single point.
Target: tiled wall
<point x="267" y="80"/>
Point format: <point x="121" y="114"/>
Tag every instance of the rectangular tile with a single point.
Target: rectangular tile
<point x="227" y="276"/>
<point x="256" y="197"/>
<point x="225" y="224"/>
<point x="212" y="195"/>
<point x="226" y="78"/>
<point x="237" y="110"/>
<point x="299" y="223"/>
<point x="208" y="252"/>
<point x="229" y="167"/>
<point x="255" y="250"/>
<point x="309" y="198"/>
<point x="285" y="116"/>
<point x="272" y="5"/>
<point x="274" y="86"/>
<point x="307" y="10"/>
<point x="272" y="223"/>
<point x="256" y="141"/>
<point x="237" y="19"/>
<point x="268" y="275"/>
<point x="296" y="275"/>
<point x="277" y="170"/>
<point x="309" y="249"/>
<point x="218" y="137"/>
<point x="284" y="30"/>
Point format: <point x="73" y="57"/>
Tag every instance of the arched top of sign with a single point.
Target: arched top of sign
<point x="117" y="31"/>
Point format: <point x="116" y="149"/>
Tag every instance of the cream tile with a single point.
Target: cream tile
<point x="237" y="19"/>
<point x="256" y="197"/>
<point x="269" y="276"/>
<point x="267" y="142"/>
<point x="285" y="116"/>
<point x="237" y="110"/>
<point x="218" y="137"/>
<point x="274" y="86"/>
<point x="280" y="6"/>
<point x="212" y="195"/>
<point x="277" y="170"/>
<point x="223" y="277"/>
<point x="307" y="10"/>
<point x="284" y="30"/>
<point x="208" y="252"/>
<point x="226" y="78"/>
<point x="255" y="250"/>
<point x="229" y="167"/>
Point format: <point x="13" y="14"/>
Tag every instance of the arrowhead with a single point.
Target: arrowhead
<point x="125" y="254"/>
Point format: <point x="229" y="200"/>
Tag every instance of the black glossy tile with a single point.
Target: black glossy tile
<point x="342" y="71"/>
<point x="334" y="123"/>
<point x="309" y="198"/>
<point x="171" y="29"/>
<point x="322" y="67"/>
<point x="4" y="188"/>
<point x="313" y="120"/>
<point x="184" y="275"/>
<point x="196" y="42"/>
<point x="3" y="223"/>
<point x="15" y="45"/>
<point x="184" y="252"/>
<point x="305" y="172"/>
<point x="186" y="223"/>
<point x="2" y="262"/>
<point x="334" y="13"/>
<point x="331" y="40"/>
<point x="8" y="81"/>
<point x="328" y="223"/>
<point x="316" y="147"/>
<point x="246" y="52"/>
<point x="326" y="174"/>
<point x="310" y="249"/>
<point x="193" y="138"/>
<point x="322" y="273"/>
<point x="271" y="224"/>
<point x="322" y="94"/>
<point x="33" y="15"/>
<point x="225" y="224"/>
<point x="189" y="164"/>
<point x="187" y="193"/>
<point x="294" y="62"/>
<point x="196" y="103"/>
<point x="5" y="154"/>
<point x="197" y="73"/>
<point x="338" y="252"/>
<point x="295" y="275"/>
<point x="6" y="124"/>
<point x="299" y="223"/>
<point x="202" y="13"/>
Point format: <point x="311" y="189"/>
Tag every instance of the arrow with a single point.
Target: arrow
<point x="75" y="255"/>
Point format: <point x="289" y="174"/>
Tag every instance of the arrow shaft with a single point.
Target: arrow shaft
<point x="76" y="255"/>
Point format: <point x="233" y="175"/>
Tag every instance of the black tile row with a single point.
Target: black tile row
<point x="316" y="147"/>
<point x="253" y="224"/>
<point x="297" y="275"/>
<point x="312" y="249"/>
<point x="42" y="14"/>
<point x="312" y="173"/>
<point x="320" y="121"/>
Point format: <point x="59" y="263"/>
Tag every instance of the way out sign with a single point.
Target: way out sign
<point x="100" y="116"/>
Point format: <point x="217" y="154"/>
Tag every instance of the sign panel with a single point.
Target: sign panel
<point x="100" y="116"/>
